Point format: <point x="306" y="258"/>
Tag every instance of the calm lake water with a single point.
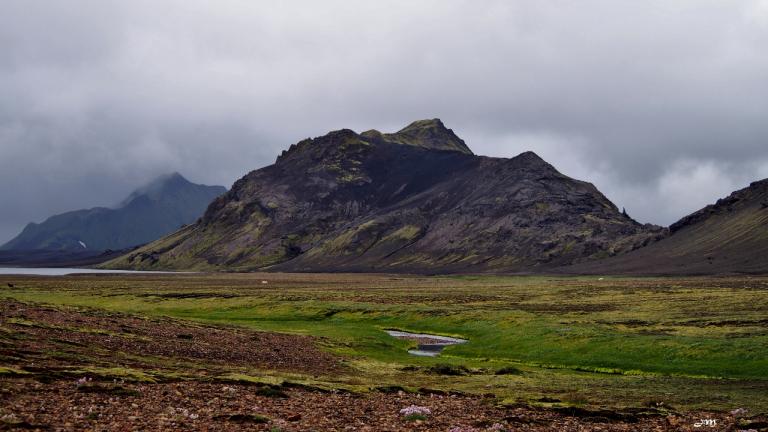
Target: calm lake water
<point x="62" y="271"/>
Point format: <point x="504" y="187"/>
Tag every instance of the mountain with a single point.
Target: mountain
<point x="413" y="201"/>
<point x="730" y="236"/>
<point x="149" y="213"/>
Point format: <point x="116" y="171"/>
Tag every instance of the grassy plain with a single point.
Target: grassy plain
<point x="684" y="343"/>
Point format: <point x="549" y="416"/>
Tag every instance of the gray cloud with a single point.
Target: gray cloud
<point x="661" y="104"/>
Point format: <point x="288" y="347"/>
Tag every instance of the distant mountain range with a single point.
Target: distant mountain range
<point x="416" y="200"/>
<point x="149" y="213"/>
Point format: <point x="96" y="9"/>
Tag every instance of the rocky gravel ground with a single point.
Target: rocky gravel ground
<point x="110" y="406"/>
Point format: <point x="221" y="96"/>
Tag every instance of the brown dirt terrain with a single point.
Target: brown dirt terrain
<point x="93" y="336"/>
<point x="62" y="405"/>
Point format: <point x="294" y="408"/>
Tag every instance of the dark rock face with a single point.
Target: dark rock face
<point x="730" y="236"/>
<point x="147" y="214"/>
<point x="414" y="201"/>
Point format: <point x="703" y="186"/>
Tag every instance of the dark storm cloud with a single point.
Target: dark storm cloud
<point x="661" y="104"/>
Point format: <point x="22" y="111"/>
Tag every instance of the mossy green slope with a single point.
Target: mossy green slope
<point x="730" y="236"/>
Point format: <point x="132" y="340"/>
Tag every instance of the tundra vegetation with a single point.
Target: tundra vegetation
<point x="651" y="345"/>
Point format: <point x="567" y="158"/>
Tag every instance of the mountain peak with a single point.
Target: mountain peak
<point x="431" y="134"/>
<point x="530" y="157"/>
<point x="169" y="178"/>
<point x="427" y="134"/>
<point x="158" y="187"/>
<point x="531" y="161"/>
<point x="425" y="124"/>
<point x="175" y="176"/>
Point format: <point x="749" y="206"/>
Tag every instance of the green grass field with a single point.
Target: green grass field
<point x="685" y="343"/>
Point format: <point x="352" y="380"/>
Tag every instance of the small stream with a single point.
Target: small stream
<point x="429" y="345"/>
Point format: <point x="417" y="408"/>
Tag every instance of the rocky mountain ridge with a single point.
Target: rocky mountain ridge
<point x="417" y="200"/>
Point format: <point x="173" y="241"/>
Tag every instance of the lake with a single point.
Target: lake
<point x="53" y="271"/>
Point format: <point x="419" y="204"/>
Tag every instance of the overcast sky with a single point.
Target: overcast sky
<point x="662" y="104"/>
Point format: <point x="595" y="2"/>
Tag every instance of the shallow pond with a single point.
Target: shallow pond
<point x="429" y="345"/>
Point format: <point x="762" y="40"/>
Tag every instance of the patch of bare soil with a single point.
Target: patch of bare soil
<point x="46" y="336"/>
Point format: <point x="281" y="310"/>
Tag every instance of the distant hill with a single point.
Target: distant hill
<point x="730" y="236"/>
<point x="416" y="200"/>
<point x="149" y="213"/>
